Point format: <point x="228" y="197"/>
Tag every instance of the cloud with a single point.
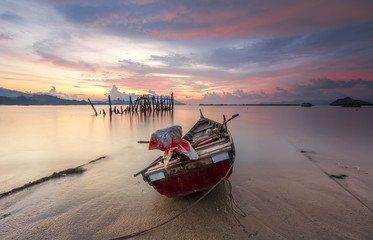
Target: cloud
<point x="6" y="36"/>
<point x="212" y="96"/>
<point x="202" y="19"/>
<point x="115" y="93"/>
<point x="176" y="60"/>
<point x="129" y="62"/>
<point x="242" y="96"/>
<point x="10" y="17"/>
<point x="325" y="83"/>
<point x="315" y="89"/>
<point x="324" y="88"/>
<point x="339" y="42"/>
<point x="53" y="91"/>
<point x="46" y="50"/>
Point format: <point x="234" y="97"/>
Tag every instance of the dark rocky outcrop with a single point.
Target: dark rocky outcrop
<point x="347" y="101"/>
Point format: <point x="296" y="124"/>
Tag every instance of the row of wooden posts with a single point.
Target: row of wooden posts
<point x="144" y="103"/>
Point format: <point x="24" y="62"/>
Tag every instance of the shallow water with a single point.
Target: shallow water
<point x="39" y="140"/>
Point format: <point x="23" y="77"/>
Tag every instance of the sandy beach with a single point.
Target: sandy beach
<point x="287" y="199"/>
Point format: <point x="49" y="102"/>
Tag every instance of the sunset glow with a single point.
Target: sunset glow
<point x="203" y="51"/>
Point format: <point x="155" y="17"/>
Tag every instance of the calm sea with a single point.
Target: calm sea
<point x="36" y="141"/>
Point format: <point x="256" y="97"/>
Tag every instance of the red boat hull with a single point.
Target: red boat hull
<point x="193" y="181"/>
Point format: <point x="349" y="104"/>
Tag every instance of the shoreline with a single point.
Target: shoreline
<point x="282" y="200"/>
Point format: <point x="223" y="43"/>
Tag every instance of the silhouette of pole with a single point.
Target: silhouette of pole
<point x="92" y="106"/>
<point x="131" y="109"/>
<point x="172" y="101"/>
<point x="111" y="111"/>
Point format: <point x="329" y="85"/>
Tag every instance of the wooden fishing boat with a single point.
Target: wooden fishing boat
<point x="182" y="176"/>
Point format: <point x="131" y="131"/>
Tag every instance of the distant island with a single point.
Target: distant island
<point x="349" y="102"/>
<point x="11" y="97"/>
<point x="345" y="102"/>
<point x="249" y="104"/>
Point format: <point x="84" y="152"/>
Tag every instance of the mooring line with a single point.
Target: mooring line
<point x="235" y="212"/>
<point x="192" y="205"/>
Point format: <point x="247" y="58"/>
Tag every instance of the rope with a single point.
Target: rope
<point x="235" y="212"/>
<point x="232" y="203"/>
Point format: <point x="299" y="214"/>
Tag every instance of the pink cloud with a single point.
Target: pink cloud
<point x="79" y="66"/>
<point x="273" y="19"/>
<point x="6" y="36"/>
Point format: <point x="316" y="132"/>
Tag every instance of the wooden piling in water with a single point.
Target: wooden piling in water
<point x="130" y="106"/>
<point x="161" y="103"/>
<point x="143" y="104"/>
<point x="92" y="106"/>
<point x="153" y="101"/>
<point x="111" y="111"/>
<point x="149" y="104"/>
<point x="172" y="101"/>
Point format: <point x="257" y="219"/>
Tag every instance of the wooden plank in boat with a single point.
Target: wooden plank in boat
<point x="203" y="128"/>
<point x="197" y="136"/>
<point x="209" y="144"/>
<point x="214" y="148"/>
<point x="203" y="138"/>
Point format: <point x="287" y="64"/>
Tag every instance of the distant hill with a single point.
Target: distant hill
<point x="11" y="97"/>
<point x="11" y="93"/>
<point x="348" y="100"/>
<point x="39" y="100"/>
<point x="300" y="101"/>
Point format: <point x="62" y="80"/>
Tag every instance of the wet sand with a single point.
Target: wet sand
<point x="284" y="198"/>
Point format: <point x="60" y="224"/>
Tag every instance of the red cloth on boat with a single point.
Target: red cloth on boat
<point x="170" y="140"/>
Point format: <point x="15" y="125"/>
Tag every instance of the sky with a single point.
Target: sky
<point x="203" y="51"/>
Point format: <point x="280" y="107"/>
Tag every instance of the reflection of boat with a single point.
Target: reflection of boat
<point x="182" y="176"/>
<point x="306" y="104"/>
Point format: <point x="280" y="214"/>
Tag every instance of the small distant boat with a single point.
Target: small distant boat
<point x="306" y="104"/>
<point x="182" y="176"/>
